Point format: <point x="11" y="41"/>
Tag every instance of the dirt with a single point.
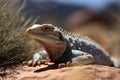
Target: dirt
<point x="51" y="72"/>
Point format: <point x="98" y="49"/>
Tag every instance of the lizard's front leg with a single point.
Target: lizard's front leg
<point x="38" y="58"/>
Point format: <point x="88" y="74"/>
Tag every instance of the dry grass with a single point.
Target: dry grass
<point x="13" y="42"/>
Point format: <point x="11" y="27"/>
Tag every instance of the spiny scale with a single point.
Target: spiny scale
<point x="68" y="33"/>
<point x="64" y="32"/>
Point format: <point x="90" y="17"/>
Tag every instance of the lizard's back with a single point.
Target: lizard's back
<point x="85" y="45"/>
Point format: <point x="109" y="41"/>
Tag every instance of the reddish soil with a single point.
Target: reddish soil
<point x="44" y="72"/>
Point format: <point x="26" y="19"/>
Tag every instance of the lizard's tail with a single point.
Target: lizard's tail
<point x="116" y="62"/>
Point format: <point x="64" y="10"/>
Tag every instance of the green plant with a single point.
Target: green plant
<point x="13" y="42"/>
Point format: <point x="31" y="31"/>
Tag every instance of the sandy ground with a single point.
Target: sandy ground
<point x="44" y="72"/>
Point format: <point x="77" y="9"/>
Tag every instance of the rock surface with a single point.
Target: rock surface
<point x="44" y="72"/>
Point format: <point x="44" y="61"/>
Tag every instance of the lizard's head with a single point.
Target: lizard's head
<point x="45" y="32"/>
<point x="48" y="36"/>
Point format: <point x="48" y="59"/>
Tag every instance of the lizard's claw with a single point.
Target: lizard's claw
<point x="24" y="62"/>
<point x="35" y="63"/>
<point x="29" y="63"/>
<point x="39" y="63"/>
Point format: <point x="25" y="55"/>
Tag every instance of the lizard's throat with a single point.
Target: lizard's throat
<point x="54" y="49"/>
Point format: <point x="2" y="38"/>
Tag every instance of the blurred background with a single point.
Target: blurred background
<point x="97" y="19"/>
<point x="73" y="12"/>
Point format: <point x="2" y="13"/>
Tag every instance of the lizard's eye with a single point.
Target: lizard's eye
<point x="46" y="28"/>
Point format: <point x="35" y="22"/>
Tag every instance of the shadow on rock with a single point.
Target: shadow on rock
<point x="53" y="66"/>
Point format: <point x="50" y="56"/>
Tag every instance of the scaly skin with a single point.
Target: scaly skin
<point x="68" y="50"/>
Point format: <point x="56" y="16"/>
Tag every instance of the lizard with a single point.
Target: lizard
<point x="67" y="48"/>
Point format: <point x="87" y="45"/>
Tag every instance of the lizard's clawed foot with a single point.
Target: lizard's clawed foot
<point x="69" y="64"/>
<point x="38" y="59"/>
<point x="32" y="63"/>
<point x="61" y="65"/>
